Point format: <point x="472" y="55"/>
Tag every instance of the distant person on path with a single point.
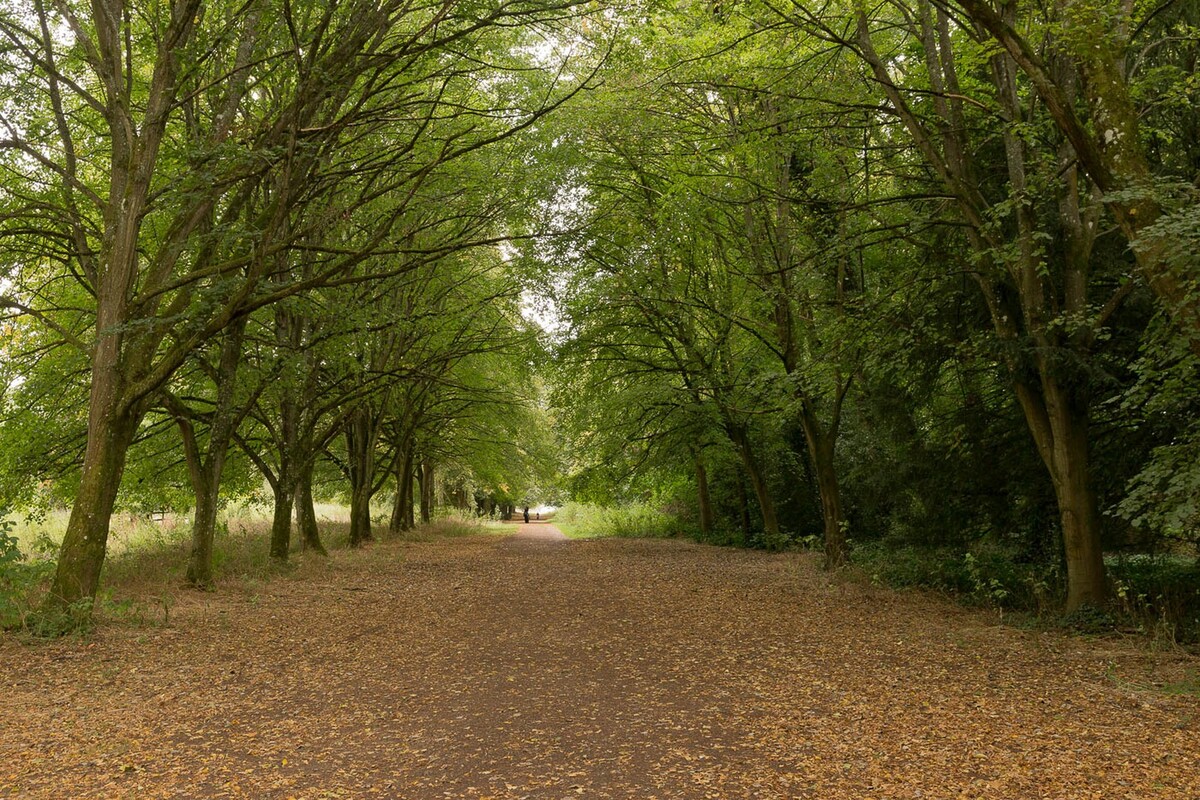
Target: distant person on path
<point x="526" y="515"/>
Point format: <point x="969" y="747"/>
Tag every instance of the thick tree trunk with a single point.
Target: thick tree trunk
<point x="306" y="513"/>
<point x="81" y="557"/>
<point x="1059" y="425"/>
<point x="281" y="521"/>
<point x="204" y="526"/>
<point x="706" y="512"/>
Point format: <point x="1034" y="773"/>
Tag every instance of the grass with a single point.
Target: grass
<point x="638" y="520"/>
<point x="146" y="561"/>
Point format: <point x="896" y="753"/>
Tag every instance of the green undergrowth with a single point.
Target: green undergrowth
<point x="1154" y="596"/>
<point x="637" y="520"/>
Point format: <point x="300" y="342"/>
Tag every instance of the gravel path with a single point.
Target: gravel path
<point x="530" y="666"/>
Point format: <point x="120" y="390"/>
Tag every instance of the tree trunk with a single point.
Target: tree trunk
<point x="410" y="501"/>
<point x="360" y="515"/>
<point x="426" y="479"/>
<point x="206" y="473"/>
<point x="306" y="513"/>
<point x="821" y="448"/>
<point x="204" y="527"/>
<point x="706" y="513"/>
<point x="762" y="493"/>
<point x="403" y="475"/>
<point x="1059" y="425"/>
<point x="281" y="521"/>
<point x="81" y="557"/>
<point x="360" y="457"/>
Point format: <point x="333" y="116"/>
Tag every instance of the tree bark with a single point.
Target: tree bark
<point x="204" y="526"/>
<point x="762" y="492"/>
<point x="403" y="501"/>
<point x="81" y="557"/>
<point x="427" y="490"/>
<point x="281" y="521"/>
<point x="1059" y="425"/>
<point x="821" y="447"/>
<point x="409" y="512"/>
<point x="206" y="472"/>
<point x="306" y="513"/>
<point x="706" y="513"/>
<point x="360" y="454"/>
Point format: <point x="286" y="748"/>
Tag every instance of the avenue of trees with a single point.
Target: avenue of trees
<point x="259" y="240"/>
<point x="916" y="282"/>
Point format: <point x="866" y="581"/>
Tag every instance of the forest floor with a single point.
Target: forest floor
<point x="531" y="666"/>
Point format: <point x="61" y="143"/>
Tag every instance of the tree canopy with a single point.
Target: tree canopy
<point x="912" y="276"/>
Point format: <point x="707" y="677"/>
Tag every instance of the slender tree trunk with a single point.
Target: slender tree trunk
<point x="821" y="448"/>
<point x="207" y="473"/>
<point x="762" y="492"/>
<point x="706" y="513"/>
<point x="306" y="513"/>
<point x="410" y="501"/>
<point x="403" y="474"/>
<point x="427" y="490"/>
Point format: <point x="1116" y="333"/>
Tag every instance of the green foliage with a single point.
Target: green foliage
<point x="635" y="520"/>
<point x="1159" y="596"/>
<point x="988" y="575"/>
<point x="20" y="576"/>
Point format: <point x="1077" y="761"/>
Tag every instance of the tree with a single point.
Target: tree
<point x="218" y="127"/>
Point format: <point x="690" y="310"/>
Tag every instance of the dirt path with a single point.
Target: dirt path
<point x="535" y="667"/>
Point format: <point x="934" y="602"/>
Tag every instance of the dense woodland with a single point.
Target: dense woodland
<point x="915" y="283"/>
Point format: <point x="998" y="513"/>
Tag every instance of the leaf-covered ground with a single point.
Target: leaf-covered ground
<point x="534" y="667"/>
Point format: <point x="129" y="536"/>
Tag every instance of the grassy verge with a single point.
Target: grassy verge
<point x="144" y="569"/>
<point x="585" y="521"/>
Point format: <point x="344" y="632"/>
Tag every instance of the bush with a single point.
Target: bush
<point x="19" y="577"/>
<point x="985" y="575"/>
<point x="1159" y="595"/>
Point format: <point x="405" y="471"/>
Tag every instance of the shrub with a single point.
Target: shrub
<point x="19" y="577"/>
<point x="1159" y="595"/>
